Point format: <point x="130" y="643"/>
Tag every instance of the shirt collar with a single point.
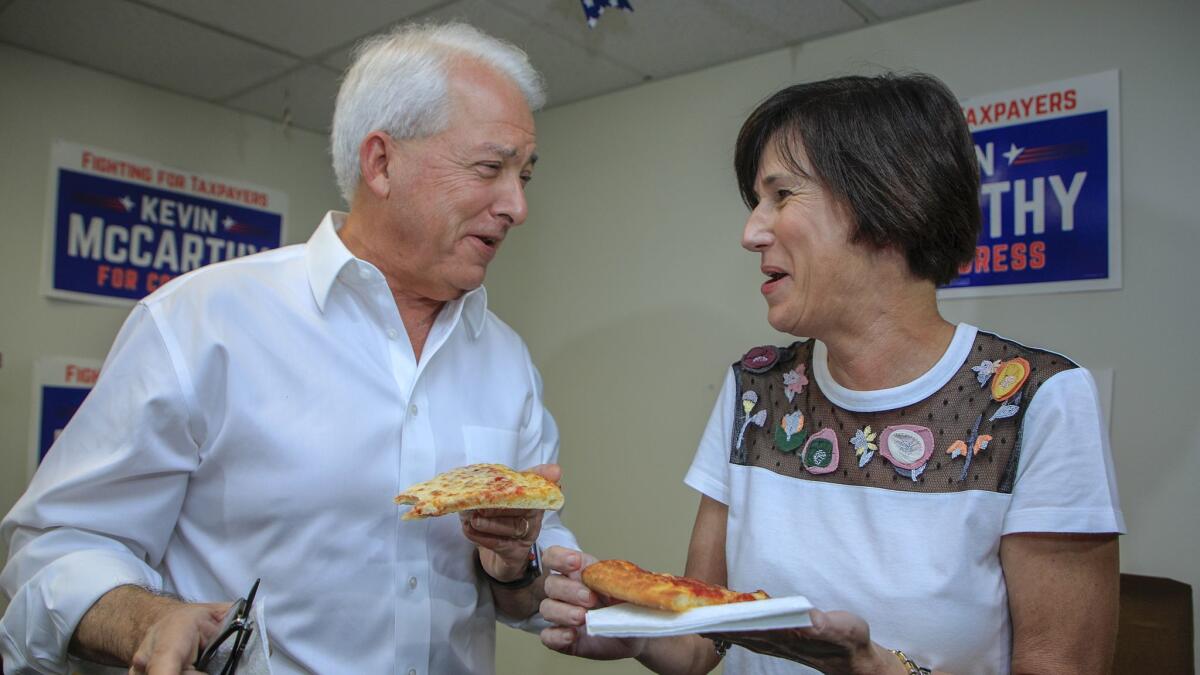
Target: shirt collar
<point x="327" y="255"/>
<point x="475" y="310"/>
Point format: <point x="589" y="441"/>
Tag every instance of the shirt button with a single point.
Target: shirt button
<point x="392" y="334"/>
<point x="412" y="410"/>
<point x="412" y="582"/>
<point x="412" y="671"/>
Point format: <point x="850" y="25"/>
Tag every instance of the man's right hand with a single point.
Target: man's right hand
<point x="153" y="634"/>
<point x="567" y="601"/>
<point x="173" y="643"/>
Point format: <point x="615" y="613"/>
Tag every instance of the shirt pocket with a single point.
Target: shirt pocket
<point x="492" y="445"/>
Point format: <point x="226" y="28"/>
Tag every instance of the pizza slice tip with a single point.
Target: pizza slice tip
<point x="480" y="486"/>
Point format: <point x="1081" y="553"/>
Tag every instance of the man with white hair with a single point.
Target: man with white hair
<point x="255" y="417"/>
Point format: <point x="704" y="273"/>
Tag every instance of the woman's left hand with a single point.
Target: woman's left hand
<point x="836" y="642"/>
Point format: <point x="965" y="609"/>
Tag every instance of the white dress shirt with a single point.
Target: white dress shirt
<point x="254" y="419"/>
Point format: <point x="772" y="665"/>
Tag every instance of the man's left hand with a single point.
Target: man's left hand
<point x="504" y="536"/>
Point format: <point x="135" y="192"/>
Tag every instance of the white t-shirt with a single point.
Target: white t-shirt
<point x="918" y="558"/>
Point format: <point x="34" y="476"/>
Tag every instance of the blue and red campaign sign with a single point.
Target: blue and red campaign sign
<point x="1049" y="164"/>
<point x="120" y="226"/>
<point x="59" y="386"/>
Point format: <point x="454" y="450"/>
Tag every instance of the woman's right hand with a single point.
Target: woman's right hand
<point x="566" y="604"/>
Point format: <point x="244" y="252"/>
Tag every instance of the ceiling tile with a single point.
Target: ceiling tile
<point x="799" y="20"/>
<point x="891" y="9"/>
<point x="302" y="27"/>
<point x="307" y="93"/>
<point x="140" y="44"/>
<point x="668" y="38"/>
<point x="339" y="60"/>
<point x="571" y="72"/>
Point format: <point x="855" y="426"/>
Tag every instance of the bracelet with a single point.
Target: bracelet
<point x="913" y="668"/>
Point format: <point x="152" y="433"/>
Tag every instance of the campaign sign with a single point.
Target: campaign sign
<point x="59" y="386"/>
<point x="1050" y="189"/>
<point x="120" y="227"/>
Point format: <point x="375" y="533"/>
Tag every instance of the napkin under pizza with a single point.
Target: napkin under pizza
<point x="660" y="605"/>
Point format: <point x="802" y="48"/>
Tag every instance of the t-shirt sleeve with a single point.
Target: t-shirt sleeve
<point x="709" y="473"/>
<point x="1065" y="480"/>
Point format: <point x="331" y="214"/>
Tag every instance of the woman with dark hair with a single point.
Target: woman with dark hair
<point x="944" y="493"/>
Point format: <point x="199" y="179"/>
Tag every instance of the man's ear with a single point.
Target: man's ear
<point x="373" y="163"/>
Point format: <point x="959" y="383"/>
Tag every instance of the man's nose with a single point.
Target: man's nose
<point x="510" y="203"/>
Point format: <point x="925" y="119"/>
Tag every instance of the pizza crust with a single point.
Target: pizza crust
<point x="480" y="486"/>
<point x="622" y="580"/>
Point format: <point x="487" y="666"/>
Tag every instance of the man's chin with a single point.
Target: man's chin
<point x="464" y="286"/>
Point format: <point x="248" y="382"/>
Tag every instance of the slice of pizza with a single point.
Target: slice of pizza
<point x="622" y="580"/>
<point x="480" y="486"/>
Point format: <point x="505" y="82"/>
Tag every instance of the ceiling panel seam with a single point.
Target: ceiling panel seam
<point x="262" y="83"/>
<point x="782" y="39"/>
<point x="504" y="5"/>
<point x="862" y="10"/>
<point x="157" y="87"/>
<point x="216" y="29"/>
<point x="320" y="57"/>
<point x="301" y="61"/>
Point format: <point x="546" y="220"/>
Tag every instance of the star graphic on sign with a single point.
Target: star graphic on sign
<point x="126" y="202"/>
<point x="1013" y="153"/>
<point x="228" y="222"/>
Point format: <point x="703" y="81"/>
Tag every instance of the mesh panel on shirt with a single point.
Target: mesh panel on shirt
<point x="949" y="415"/>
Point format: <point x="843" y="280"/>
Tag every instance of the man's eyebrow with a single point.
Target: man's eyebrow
<point x="507" y="151"/>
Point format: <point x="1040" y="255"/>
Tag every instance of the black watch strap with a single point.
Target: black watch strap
<point x="533" y="570"/>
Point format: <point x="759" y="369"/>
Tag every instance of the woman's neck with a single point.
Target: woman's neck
<point x="888" y="341"/>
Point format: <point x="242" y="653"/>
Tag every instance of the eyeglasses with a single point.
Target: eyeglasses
<point x="238" y="624"/>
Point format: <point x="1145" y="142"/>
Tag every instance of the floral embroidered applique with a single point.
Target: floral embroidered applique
<point x="975" y="442"/>
<point x="1009" y="378"/>
<point x="749" y="401"/>
<point x="981" y="443"/>
<point x="970" y="447"/>
<point x="794" y="381"/>
<point x="760" y="359"/>
<point x="863" y="441"/>
<point x="820" y="454"/>
<point x="984" y="371"/>
<point x="1008" y="409"/>
<point x="908" y="447"/>
<point x="790" y="433"/>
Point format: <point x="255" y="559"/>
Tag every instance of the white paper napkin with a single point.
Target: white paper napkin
<point x="626" y="620"/>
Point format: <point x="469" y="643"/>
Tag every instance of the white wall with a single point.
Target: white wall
<point x="628" y="281"/>
<point x="630" y="287"/>
<point x="42" y="100"/>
